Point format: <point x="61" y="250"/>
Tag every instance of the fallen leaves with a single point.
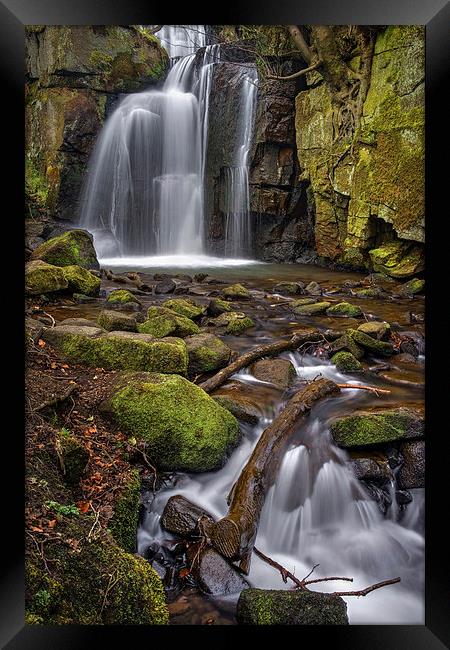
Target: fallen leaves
<point x="41" y="343"/>
<point x="83" y="506"/>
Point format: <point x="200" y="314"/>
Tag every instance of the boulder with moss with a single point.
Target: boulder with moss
<point x="42" y="278"/>
<point x="344" y="309"/>
<point x="206" y="352"/>
<point x="183" y="427"/>
<point x="72" y="247"/>
<point x="377" y="427"/>
<point x="346" y="362"/>
<point x="162" y="321"/>
<point x="314" y="309"/>
<point x="346" y="342"/>
<point x="398" y="259"/>
<point x="80" y="280"/>
<point x="236" y="292"/>
<point x="185" y="307"/>
<point x="288" y="288"/>
<point x="124" y="522"/>
<point x="234" y="322"/>
<point x="217" y="306"/>
<point x="283" y="607"/>
<point x="122" y="297"/>
<point x="113" y="321"/>
<point x="376" y="329"/>
<point x="73" y="456"/>
<point x="412" y="287"/>
<point x="374" y="346"/>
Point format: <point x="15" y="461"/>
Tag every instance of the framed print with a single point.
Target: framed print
<point x="226" y="270"/>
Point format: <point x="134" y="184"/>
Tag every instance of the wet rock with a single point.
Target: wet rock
<point x="344" y="309"/>
<point x="196" y="291"/>
<point x="81" y="298"/>
<point x="372" y="345"/>
<point x="289" y="288"/>
<point x="215" y="576"/>
<point x="80" y="280"/>
<point x="72" y="247"/>
<point x="181" y="516"/>
<point x="236" y="291"/>
<point x="185" y="307"/>
<point x="376" y="329"/>
<point x="312" y="310"/>
<point x="121" y="296"/>
<point x="206" y="352"/>
<point x="346" y="362"/>
<point x="399" y="259"/>
<point x="301" y="302"/>
<point x="410" y="347"/>
<point x="183" y="427"/>
<point x="242" y="408"/>
<point x="115" y="320"/>
<point x="165" y="286"/>
<point x="377" y="427"/>
<point x="42" y="278"/>
<point x="280" y="372"/>
<point x="412" y="473"/>
<point x="280" y="607"/>
<point x="403" y="497"/>
<point x="313" y="288"/>
<point x="371" y="292"/>
<point x="234" y="322"/>
<point x="346" y="342"/>
<point x="163" y="322"/>
<point x="412" y="287"/>
<point x="218" y="306"/>
<point x="367" y="469"/>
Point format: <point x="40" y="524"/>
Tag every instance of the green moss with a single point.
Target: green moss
<point x="36" y="184"/>
<point x="370" y="428"/>
<point x="81" y="281"/>
<point x="372" y="345"/>
<point x="367" y="293"/>
<point x="206" y="352"/>
<point x="159" y="326"/>
<point x="42" y="278"/>
<point x="185" y="307"/>
<point x="287" y="288"/>
<point x="102" y="60"/>
<point x="162" y="321"/>
<point x="218" y="306"/>
<point x="185" y="430"/>
<point x="346" y="362"/>
<point x="412" y="287"/>
<point x="124" y="522"/>
<point x="344" y="309"/>
<point x="398" y="259"/>
<point x="312" y="309"/>
<point x="72" y="247"/>
<point x="238" y="325"/>
<point x="236" y="291"/>
<point x="73" y="456"/>
<point x="346" y="342"/>
<point x="121" y="296"/>
<point x="301" y="302"/>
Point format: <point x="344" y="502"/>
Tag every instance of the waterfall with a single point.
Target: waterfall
<point x="144" y="191"/>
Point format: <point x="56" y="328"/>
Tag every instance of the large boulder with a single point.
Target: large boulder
<point x="41" y="278"/>
<point x="72" y="247"/>
<point x="372" y="345"/>
<point x="215" y="575"/>
<point x="118" y="350"/>
<point x="376" y="329"/>
<point x="114" y="321"/>
<point x="206" y="352"/>
<point x="184" y="428"/>
<point x="279" y="607"/>
<point x="80" y="280"/>
<point x="377" y="427"/>
<point x="185" y="307"/>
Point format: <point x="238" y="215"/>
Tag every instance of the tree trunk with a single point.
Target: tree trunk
<point x="234" y="535"/>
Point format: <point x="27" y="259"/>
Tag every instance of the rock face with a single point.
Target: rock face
<point x="274" y="607"/>
<point x="375" y="427"/>
<point x="184" y="428"/>
<point x="74" y="75"/>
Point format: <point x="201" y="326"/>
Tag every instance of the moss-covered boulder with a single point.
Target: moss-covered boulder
<point x="288" y="288"/>
<point x="41" y="278"/>
<point x="301" y="302"/>
<point x="73" y="456"/>
<point x="370" y="292"/>
<point x="118" y="350"/>
<point x="346" y="362"/>
<point x="80" y="280"/>
<point x="236" y="291"/>
<point x="374" y="346"/>
<point x="121" y="297"/>
<point x="114" y="321"/>
<point x="217" y="306"/>
<point x="412" y="287"/>
<point x="184" y="428"/>
<point x="185" y="307"/>
<point x="399" y="259"/>
<point x="206" y="352"/>
<point x="344" y="309"/>
<point x="376" y="329"/>
<point x="279" y="372"/>
<point x="280" y="607"/>
<point x="72" y="247"/>
<point x="124" y="522"/>
<point x="314" y="309"/>
<point x="162" y="321"/>
<point x="377" y="427"/>
<point x="234" y="322"/>
<point x="346" y="342"/>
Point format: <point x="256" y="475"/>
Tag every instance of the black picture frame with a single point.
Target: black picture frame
<point x="435" y="15"/>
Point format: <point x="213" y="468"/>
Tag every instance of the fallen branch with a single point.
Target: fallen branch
<point x="372" y="389"/>
<point x="233" y="535"/>
<point x="295" y="75"/>
<point x="261" y="351"/>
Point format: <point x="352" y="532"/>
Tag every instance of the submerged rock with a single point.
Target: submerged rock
<point x="376" y="427"/>
<point x="206" y="352"/>
<point x="72" y="247"/>
<point x="236" y="291"/>
<point x="185" y="307"/>
<point x="181" y="516"/>
<point x="313" y="288"/>
<point x="80" y="280"/>
<point x="280" y="372"/>
<point x="116" y="320"/>
<point x="42" y="278"/>
<point x="412" y="473"/>
<point x="344" y="309"/>
<point x="184" y="428"/>
<point x="280" y="607"/>
<point x="346" y="362"/>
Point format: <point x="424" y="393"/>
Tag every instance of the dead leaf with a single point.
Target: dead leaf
<point x="83" y="506"/>
<point x="51" y="523"/>
<point x="41" y="343"/>
<point x="36" y="529"/>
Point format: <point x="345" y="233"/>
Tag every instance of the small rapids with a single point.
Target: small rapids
<point x="317" y="512"/>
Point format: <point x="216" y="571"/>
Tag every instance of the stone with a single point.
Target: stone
<point x="313" y="288"/>
<point x="412" y="473"/>
<point x="33" y="329"/>
<point x="42" y="278"/>
<point x="398" y="259"/>
<point x="73" y="456"/>
<point x="81" y="298"/>
<point x="289" y="288"/>
<point x="117" y="321"/>
<point x="412" y="287"/>
<point x="344" y="309"/>
<point x="206" y="353"/>
<point x="236" y="291"/>
<point x="313" y="309"/>
<point x="181" y="516"/>
<point x="371" y="292"/>
<point x="84" y="322"/>
<point x="184" y="428"/>
<point x="376" y="329"/>
<point x="81" y="280"/>
<point x="162" y="322"/>
<point x="346" y="362"/>
<point x="234" y="322"/>
<point x="346" y="342"/>
<point x="217" y="306"/>
<point x="279" y="372"/>
<point x="124" y="521"/>
<point x="73" y="247"/>
<point x="377" y="427"/>
<point x="185" y="307"/>
<point x="368" y="469"/>
<point x="301" y="302"/>
<point x="374" y="346"/>
<point x="165" y="286"/>
<point x="121" y="296"/>
<point x="287" y="607"/>
<point x="242" y="408"/>
<point x="215" y="576"/>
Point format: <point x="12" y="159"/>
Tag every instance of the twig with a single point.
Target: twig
<point x="367" y="590"/>
<point x="285" y="574"/>
<point x="372" y="389"/>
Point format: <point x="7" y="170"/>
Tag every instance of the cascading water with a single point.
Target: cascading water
<point x="144" y="191"/>
<point x="317" y="512"/>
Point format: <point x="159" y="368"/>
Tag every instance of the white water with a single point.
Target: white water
<point x="318" y="513"/>
<point x="181" y="40"/>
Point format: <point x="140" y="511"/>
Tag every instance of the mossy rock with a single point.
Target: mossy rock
<point x="345" y="309"/>
<point x="346" y="342"/>
<point x="412" y="287"/>
<point x="283" y="607"/>
<point x="236" y="323"/>
<point x="116" y="321"/>
<point x="184" y="428"/>
<point x="42" y="278"/>
<point x="301" y="302"/>
<point x="162" y="321"/>
<point x="236" y="291"/>
<point x="217" y="306"/>
<point x="206" y="352"/>
<point x="288" y="288"/>
<point x="313" y="309"/>
<point x="185" y="307"/>
<point x="73" y="456"/>
<point x="376" y="329"/>
<point x="371" y="292"/>
<point x="118" y="350"/>
<point x="72" y="247"/>
<point x="346" y="362"/>
<point x="372" y="345"/>
<point x="377" y="427"/>
<point x="124" y="522"/>
<point x="121" y="296"/>
<point x="80" y="280"/>
<point x="398" y="259"/>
